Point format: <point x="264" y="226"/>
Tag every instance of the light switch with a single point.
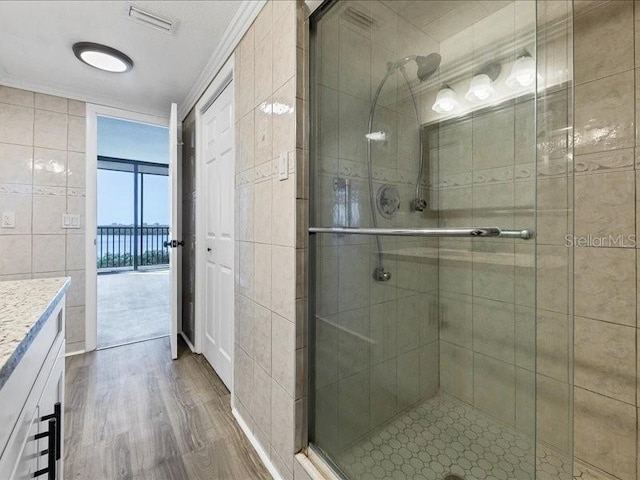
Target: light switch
<point x="70" y="220"/>
<point x="283" y="166"/>
<point x="8" y="220"/>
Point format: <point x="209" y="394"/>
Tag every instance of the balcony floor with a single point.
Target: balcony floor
<point x="132" y="306"/>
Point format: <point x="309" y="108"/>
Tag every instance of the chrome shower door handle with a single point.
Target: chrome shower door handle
<point x="429" y="232"/>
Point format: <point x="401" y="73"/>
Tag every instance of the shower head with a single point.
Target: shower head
<point x="428" y="65"/>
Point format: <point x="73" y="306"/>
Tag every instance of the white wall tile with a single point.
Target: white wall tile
<point x="16" y="124"/>
<point x="49" y="253"/>
<point x="49" y="167"/>
<point x="16" y="254"/>
<point x="51" y="103"/>
<point x="76" y="134"/>
<point x="15" y="96"/>
<point x="47" y="213"/>
<point x="50" y="130"/>
<point x="20" y="205"/>
<point x="16" y="163"/>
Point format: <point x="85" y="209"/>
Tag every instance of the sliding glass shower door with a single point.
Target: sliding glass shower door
<point x="440" y="317"/>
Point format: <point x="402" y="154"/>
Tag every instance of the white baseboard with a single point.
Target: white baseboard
<point x="76" y="352"/>
<point x="186" y="340"/>
<point x="256" y="446"/>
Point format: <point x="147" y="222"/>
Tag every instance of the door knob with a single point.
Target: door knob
<point x="208" y="249"/>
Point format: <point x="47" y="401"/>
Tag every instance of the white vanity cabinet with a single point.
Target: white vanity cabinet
<point x="32" y="401"/>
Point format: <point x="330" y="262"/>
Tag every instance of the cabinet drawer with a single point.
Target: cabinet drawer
<point x="30" y="375"/>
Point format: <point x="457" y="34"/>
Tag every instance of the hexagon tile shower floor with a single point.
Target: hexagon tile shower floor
<point x="443" y="438"/>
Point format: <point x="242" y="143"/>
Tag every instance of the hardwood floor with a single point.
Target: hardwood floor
<point x="134" y="414"/>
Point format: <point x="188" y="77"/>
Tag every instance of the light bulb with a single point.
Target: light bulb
<point x="480" y="89"/>
<point x="376" y="136"/>
<point x="523" y="72"/>
<point x="446" y="100"/>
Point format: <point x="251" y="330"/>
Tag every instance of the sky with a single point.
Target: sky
<point x="133" y="141"/>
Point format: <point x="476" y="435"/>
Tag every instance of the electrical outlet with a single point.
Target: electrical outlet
<point x="8" y="220"/>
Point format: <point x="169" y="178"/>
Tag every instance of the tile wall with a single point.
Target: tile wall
<point x="481" y="171"/>
<point x="486" y="165"/>
<point x="271" y="232"/>
<point x="606" y="216"/>
<point x="377" y="343"/>
<point x="42" y="176"/>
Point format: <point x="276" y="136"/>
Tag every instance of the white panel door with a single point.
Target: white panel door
<point x="174" y="228"/>
<point x="219" y="180"/>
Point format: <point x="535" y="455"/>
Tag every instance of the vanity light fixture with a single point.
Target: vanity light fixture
<point x="523" y="72"/>
<point x="376" y="136"/>
<point x="102" y="57"/>
<point x="481" y="87"/>
<point x="446" y="100"/>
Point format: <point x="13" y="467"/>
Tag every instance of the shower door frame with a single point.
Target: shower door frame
<point x="314" y="451"/>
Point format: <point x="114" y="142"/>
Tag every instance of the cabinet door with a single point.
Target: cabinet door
<point x="53" y="393"/>
<point x="28" y="460"/>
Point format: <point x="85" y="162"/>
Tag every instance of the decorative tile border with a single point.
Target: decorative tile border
<point x="15" y="188"/>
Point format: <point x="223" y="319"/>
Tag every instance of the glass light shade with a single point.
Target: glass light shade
<point x="480" y="89"/>
<point x="102" y="57"/>
<point x="446" y="101"/>
<point x="376" y="136"/>
<point x="523" y="72"/>
<point x="104" y="61"/>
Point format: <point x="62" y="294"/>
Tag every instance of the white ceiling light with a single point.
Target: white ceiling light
<point x="102" y="57"/>
<point x="446" y="100"/>
<point x="480" y="89"/>
<point x="523" y="72"/>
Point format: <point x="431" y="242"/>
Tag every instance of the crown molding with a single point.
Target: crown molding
<point x="49" y="89"/>
<point x="240" y="23"/>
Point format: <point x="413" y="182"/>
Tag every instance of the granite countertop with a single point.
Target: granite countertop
<point x="24" y="308"/>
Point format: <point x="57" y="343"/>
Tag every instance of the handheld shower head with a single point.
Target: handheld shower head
<point x="428" y="65"/>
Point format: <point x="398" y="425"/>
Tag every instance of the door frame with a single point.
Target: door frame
<point x="223" y="78"/>
<point x="91" y="207"/>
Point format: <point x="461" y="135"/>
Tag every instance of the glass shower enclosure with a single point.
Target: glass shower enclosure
<point x="440" y="313"/>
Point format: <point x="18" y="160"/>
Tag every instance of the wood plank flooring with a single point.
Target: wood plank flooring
<point x="134" y="414"/>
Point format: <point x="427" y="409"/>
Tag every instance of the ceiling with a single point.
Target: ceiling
<point x="441" y="19"/>
<point x="36" y="39"/>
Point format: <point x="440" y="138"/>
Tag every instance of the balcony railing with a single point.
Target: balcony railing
<point x="132" y="247"/>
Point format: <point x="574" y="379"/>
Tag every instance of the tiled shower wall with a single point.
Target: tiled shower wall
<point x="607" y="36"/>
<point x="42" y="176"/>
<point x="377" y="342"/>
<point x="269" y="386"/>
<point x="486" y="165"/>
<point x="481" y="171"/>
